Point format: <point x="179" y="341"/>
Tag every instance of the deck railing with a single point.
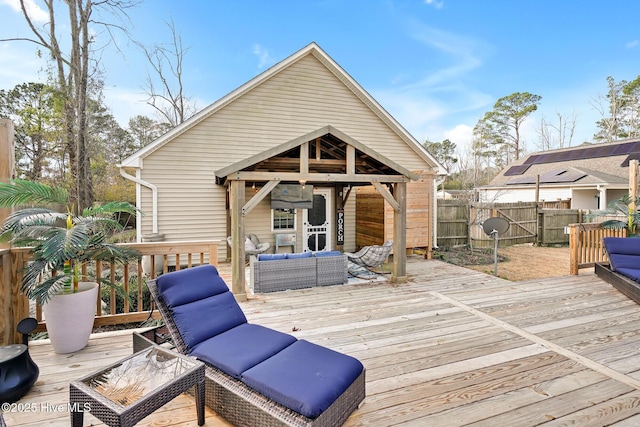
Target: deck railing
<point x="585" y="243"/>
<point x="15" y="306"/>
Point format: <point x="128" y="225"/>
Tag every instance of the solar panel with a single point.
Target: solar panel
<point x="551" y="177"/>
<point x="632" y="156"/>
<point x="603" y="150"/>
<point x="517" y="170"/>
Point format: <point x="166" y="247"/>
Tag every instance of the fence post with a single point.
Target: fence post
<point x="574" y="247"/>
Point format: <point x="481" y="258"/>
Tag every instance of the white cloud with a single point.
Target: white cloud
<point x="18" y="65"/>
<point x="264" y="57"/>
<point x="438" y="4"/>
<point x="440" y="104"/>
<point x="35" y="12"/>
<point x="460" y="135"/>
<point x="633" y="43"/>
<point x="125" y="103"/>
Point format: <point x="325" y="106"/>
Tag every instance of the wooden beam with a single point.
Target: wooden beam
<point x="633" y="183"/>
<point x="7" y="164"/>
<point x="315" y="177"/>
<point x="345" y="197"/>
<point x="304" y="158"/>
<point x="351" y="160"/>
<point x="261" y="194"/>
<point x="387" y="196"/>
<point x="399" y="274"/>
<point x="236" y="196"/>
<point x="318" y="148"/>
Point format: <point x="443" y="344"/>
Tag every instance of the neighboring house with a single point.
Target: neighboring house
<point x="589" y="175"/>
<point x="304" y="123"/>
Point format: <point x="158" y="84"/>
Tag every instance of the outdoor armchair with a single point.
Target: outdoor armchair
<point x="371" y="257"/>
<point x="252" y="245"/>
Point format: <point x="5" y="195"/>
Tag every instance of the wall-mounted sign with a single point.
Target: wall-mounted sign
<point x="340" y="227"/>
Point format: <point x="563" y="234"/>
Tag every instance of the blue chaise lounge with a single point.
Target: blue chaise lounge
<point x="256" y="376"/>
<point x="623" y="269"/>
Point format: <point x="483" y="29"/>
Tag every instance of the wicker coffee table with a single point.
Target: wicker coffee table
<point x="127" y="391"/>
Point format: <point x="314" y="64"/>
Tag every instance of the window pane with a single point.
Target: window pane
<point x="284" y="219"/>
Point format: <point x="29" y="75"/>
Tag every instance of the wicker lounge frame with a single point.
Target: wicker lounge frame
<point x="240" y="404"/>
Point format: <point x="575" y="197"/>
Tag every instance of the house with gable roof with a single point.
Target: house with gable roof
<point x="589" y="175"/>
<point x="303" y="125"/>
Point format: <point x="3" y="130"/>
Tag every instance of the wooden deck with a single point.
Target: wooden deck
<point x="451" y="347"/>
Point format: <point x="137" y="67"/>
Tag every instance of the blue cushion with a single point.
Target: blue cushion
<point x="622" y="245"/>
<point x="201" y="320"/>
<point x="271" y="257"/>
<point x="631" y="273"/>
<point x="327" y="253"/>
<point x="241" y="348"/>
<point x="304" y="377"/>
<point x="299" y="255"/>
<point x="191" y="284"/>
<point x="619" y="261"/>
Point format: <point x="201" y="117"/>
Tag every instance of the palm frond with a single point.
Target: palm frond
<point x="21" y="192"/>
<point x="57" y="243"/>
<point x="109" y="209"/>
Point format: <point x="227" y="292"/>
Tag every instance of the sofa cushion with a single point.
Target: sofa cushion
<point x="304" y="377"/>
<point x="622" y="245"/>
<point x="624" y="255"/>
<point x="631" y="273"/>
<point x="327" y="253"/>
<point x="271" y="257"/>
<point x="299" y="255"/>
<point x="241" y="348"/>
<point x="191" y="284"/>
<point x="201" y="320"/>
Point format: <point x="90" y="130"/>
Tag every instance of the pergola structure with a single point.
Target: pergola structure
<point x="326" y="157"/>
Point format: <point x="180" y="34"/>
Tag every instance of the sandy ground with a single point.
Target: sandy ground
<point x="531" y="262"/>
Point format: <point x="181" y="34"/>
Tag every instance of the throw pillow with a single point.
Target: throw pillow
<point x="249" y="245"/>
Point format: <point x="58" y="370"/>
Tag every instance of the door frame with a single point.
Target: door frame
<point x="328" y="195"/>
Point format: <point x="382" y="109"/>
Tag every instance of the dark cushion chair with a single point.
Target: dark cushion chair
<point x="624" y="256"/>
<point x="292" y="378"/>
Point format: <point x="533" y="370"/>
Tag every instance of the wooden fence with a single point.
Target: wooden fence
<point x="14" y="306"/>
<point x="586" y="248"/>
<point x="460" y="223"/>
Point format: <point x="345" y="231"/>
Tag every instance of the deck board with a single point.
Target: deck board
<point x="450" y="347"/>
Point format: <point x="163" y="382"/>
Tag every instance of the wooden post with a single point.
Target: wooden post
<point x="633" y="183"/>
<point x="7" y="161"/>
<point x="236" y="203"/>
<point x="13" y="305"/>
<point x="574" y="247"/>
<point x="400" y="235"/>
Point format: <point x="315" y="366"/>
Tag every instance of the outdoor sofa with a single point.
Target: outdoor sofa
<point x="255" y="376"/>
<point x="279" y="272"/>
<point x="623" y="269"/>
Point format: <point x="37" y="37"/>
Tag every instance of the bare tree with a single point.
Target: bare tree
<point x="614" y="110"/>
<point x="72" y="70"/>
<point x="166" y="88"/>
<point x="556" y="135"/>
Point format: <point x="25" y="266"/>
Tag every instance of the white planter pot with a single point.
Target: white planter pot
<point x="70" y="317"/>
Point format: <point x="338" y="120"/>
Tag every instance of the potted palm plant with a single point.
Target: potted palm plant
<point x="61" y="242"/>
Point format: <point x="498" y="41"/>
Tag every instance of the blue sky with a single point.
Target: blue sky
<point x="436" y="65"/>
